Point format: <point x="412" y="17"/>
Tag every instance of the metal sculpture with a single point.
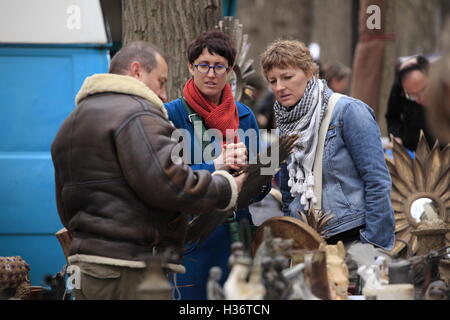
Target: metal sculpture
<point x="418" y="184"/>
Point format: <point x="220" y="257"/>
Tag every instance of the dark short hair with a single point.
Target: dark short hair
<point x="216" y="42"/>
<point x="422" y="65"/>
<point x="140" y="51"/>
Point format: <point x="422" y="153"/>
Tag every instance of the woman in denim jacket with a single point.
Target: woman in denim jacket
<point x="355" y="180"/>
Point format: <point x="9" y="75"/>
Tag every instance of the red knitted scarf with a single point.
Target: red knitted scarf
<point x="221" y="117"/>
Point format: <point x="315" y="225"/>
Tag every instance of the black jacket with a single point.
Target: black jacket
<point x="405" y="118"/>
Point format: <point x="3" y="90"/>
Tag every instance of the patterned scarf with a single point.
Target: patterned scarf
<point x="222" y="117"/>
<point x="304" y="119"/>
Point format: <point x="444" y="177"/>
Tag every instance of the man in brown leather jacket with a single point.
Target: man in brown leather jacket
<point x="118" y="190"/>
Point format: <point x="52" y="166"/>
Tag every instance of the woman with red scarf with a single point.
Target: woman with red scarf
<point x="210" y="115"/>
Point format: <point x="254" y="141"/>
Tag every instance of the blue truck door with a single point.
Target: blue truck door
<point x="38" y="84"/>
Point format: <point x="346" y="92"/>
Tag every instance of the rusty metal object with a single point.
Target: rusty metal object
<point x="429" y="240"/>
<point x="14" y="276"/>
<point x="155" y="285"/>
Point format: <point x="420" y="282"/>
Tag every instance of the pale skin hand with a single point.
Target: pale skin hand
<point x="233" y="157"/>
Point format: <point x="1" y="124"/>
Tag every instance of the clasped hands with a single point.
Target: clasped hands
<point x="233" y="157"/>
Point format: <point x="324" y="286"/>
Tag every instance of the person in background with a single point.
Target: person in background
<point x="118" y="192"/>
<point x="208" y="100"/>
<point x="337" y="76"/>
<point x="437" y="99"/>
<point x="356" y="183"/>
<point x="405" y="114"/>
<point x="264" y="109"/>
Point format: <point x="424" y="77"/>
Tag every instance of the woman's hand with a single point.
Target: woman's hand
<point x="232" y="157"/>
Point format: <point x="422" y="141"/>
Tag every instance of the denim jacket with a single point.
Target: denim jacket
<point x="355" y="179"/>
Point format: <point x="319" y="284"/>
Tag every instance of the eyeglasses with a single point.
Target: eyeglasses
<point x="218" y="69"/>
<point x="414" y="96"/>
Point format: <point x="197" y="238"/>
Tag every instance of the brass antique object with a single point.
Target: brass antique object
<point x="155" y="285"/>
<point x="316" y="219"/>
<point x="243" y="67"/>
<point x="304" y="236"/>
<point x="419" y="186"/>
<point x="337" y="270"/>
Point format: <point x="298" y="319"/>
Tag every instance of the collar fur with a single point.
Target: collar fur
<point x="107" y="82"/>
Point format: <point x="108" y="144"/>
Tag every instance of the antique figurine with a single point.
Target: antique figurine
<point x="337" y="270"/>
<point x="214" y="290"/>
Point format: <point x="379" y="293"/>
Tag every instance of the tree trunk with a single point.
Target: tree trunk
<point x="417" y="26"/>
<point x="333" y="32"/>
<point x="170" y="25"/>
<point x="265" y="21"/>
<point x="374" y="63"/>
<point x="388" y="67"/>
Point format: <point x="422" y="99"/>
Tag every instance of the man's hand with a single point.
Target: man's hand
<point x="233" y="157"/>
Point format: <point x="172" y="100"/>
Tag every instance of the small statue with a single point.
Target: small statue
<point x="155" y="285"/>
<point x="430" y="219"/>
<point x="214" y="290"/>
<point x="300" y="289"/>
<point x="369" y="264"/>
<point x="271" y="247"/>
<point x="277" y="286"/>
<point x="237" y="251"/>
<point x="338" y="275"/>
<point x="369" y="275"/>
<point x="241" y="285"/>
<point x="437" y="290"/>
<point x="273" y="256"/>
<point x="382" y="269"/>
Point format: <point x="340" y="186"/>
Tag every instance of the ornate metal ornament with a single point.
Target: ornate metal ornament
<point x="420" y="187"/>
<point x="242" y="67"/>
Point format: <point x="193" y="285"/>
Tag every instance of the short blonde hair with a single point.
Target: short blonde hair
<point x="288" y="53"/>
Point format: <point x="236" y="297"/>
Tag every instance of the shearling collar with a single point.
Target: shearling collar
<point x="107" y="82"/>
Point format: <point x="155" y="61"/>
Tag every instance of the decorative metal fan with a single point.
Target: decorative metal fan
<point x="242" y="67"/>
<point x="418" y="184"/>
<point x="316" y="219"/>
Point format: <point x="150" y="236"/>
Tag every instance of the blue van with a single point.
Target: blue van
<point x="47" y="49"/>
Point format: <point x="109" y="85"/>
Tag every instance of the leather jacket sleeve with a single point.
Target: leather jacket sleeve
<point x="60" y="206"/>
<point x="145" y="152"/>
